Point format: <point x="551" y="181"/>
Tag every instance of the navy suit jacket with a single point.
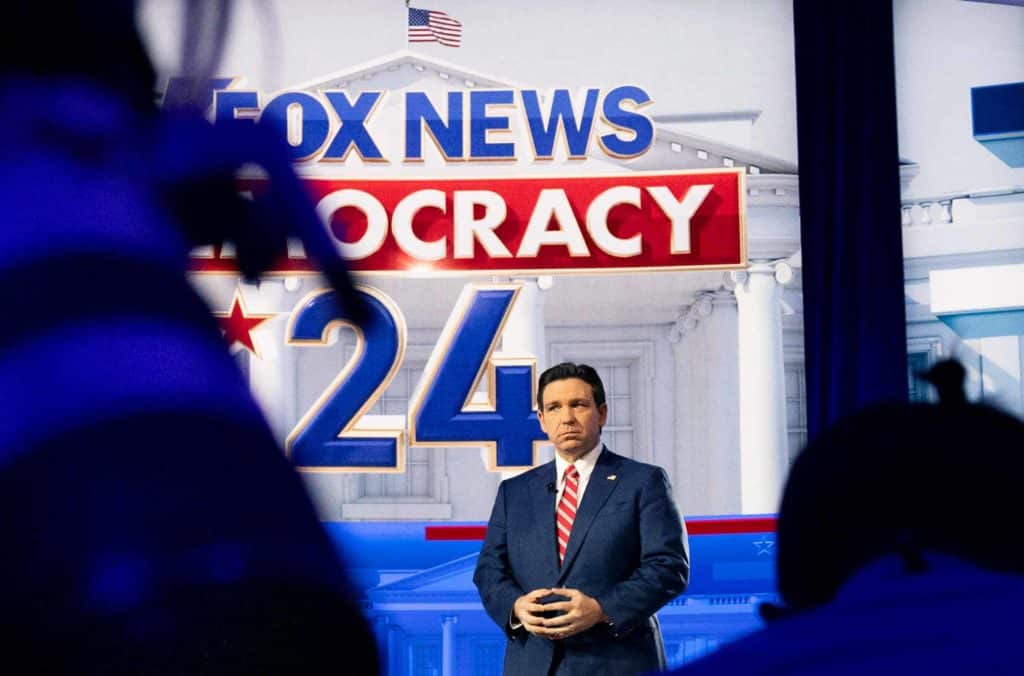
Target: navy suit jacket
<point x="627" y="549"/>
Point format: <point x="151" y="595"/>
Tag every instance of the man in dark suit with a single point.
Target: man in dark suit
<point x="582" y="551"/>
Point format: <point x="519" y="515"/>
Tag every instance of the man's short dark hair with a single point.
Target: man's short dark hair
<point x="567" y="369"/>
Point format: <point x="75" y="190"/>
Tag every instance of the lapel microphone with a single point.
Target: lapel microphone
<point x="551" y="487"/>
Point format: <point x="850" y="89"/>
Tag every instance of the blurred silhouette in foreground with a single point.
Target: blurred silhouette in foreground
<point x="948" y="378"/>
<point x="150" y="523"/>
<point x="899" y="546"/>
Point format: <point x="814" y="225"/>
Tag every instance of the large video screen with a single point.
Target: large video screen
<point x="517" y="185"/>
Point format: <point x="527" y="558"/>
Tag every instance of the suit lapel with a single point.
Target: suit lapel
<point x="599" y="488"/>
<point x="543" y="500"/>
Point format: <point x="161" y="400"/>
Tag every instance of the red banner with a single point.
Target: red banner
<point x="729" y="525"/>
<point x="637" y="221"/>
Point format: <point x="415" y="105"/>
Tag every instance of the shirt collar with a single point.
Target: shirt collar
<point x="584" y="464"/>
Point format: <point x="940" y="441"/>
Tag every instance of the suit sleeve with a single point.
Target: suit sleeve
<point x="664" y="568"/>
<point x="493" y="576"/>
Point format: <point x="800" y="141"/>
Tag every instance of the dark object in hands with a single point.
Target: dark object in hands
<point x="551" y="598"/>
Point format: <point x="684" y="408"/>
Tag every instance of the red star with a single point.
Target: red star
<point x="238" y="324"/>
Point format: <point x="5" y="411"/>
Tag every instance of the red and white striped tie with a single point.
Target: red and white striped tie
<point x="566" y="512"/>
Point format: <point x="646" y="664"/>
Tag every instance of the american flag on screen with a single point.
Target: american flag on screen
<point x="426" y="25"/>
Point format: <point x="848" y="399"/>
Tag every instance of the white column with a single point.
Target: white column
<point x="763" y="443"/>
<point x="448" y="661"/>
<point x="382" y="630"/>
<point x="704" y="340"/>
<point x="393" y="660"/>
<point x="524" y="331"/>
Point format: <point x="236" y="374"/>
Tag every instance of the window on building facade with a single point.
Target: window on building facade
<point x="424" y="466"/>
<point x="918" y="362"/>
<point x="796" y="408"/>
<point x="425" y="658"/>
<point x="418" y="480"/>
<point x="619" y="431"/>
<point x="688" y="649"/>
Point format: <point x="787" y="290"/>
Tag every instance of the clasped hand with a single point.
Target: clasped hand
<point x="578" y="613"/>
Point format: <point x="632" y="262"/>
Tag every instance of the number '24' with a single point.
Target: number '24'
<point x="443" y="410"/>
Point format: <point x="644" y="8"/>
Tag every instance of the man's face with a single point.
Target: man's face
<point x="570" y="417"/>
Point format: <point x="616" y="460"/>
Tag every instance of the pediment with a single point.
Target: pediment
<point x="452" y="576"/>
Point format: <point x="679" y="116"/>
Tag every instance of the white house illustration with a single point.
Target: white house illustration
<point x="704" y="369"/>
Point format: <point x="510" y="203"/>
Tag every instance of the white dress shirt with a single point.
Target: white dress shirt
<point x="584" y="465"/>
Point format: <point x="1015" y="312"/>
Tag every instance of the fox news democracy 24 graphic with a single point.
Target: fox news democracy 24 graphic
<point x="505" y="225"/>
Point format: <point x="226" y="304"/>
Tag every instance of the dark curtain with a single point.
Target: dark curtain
<point x="854" y="318"/>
